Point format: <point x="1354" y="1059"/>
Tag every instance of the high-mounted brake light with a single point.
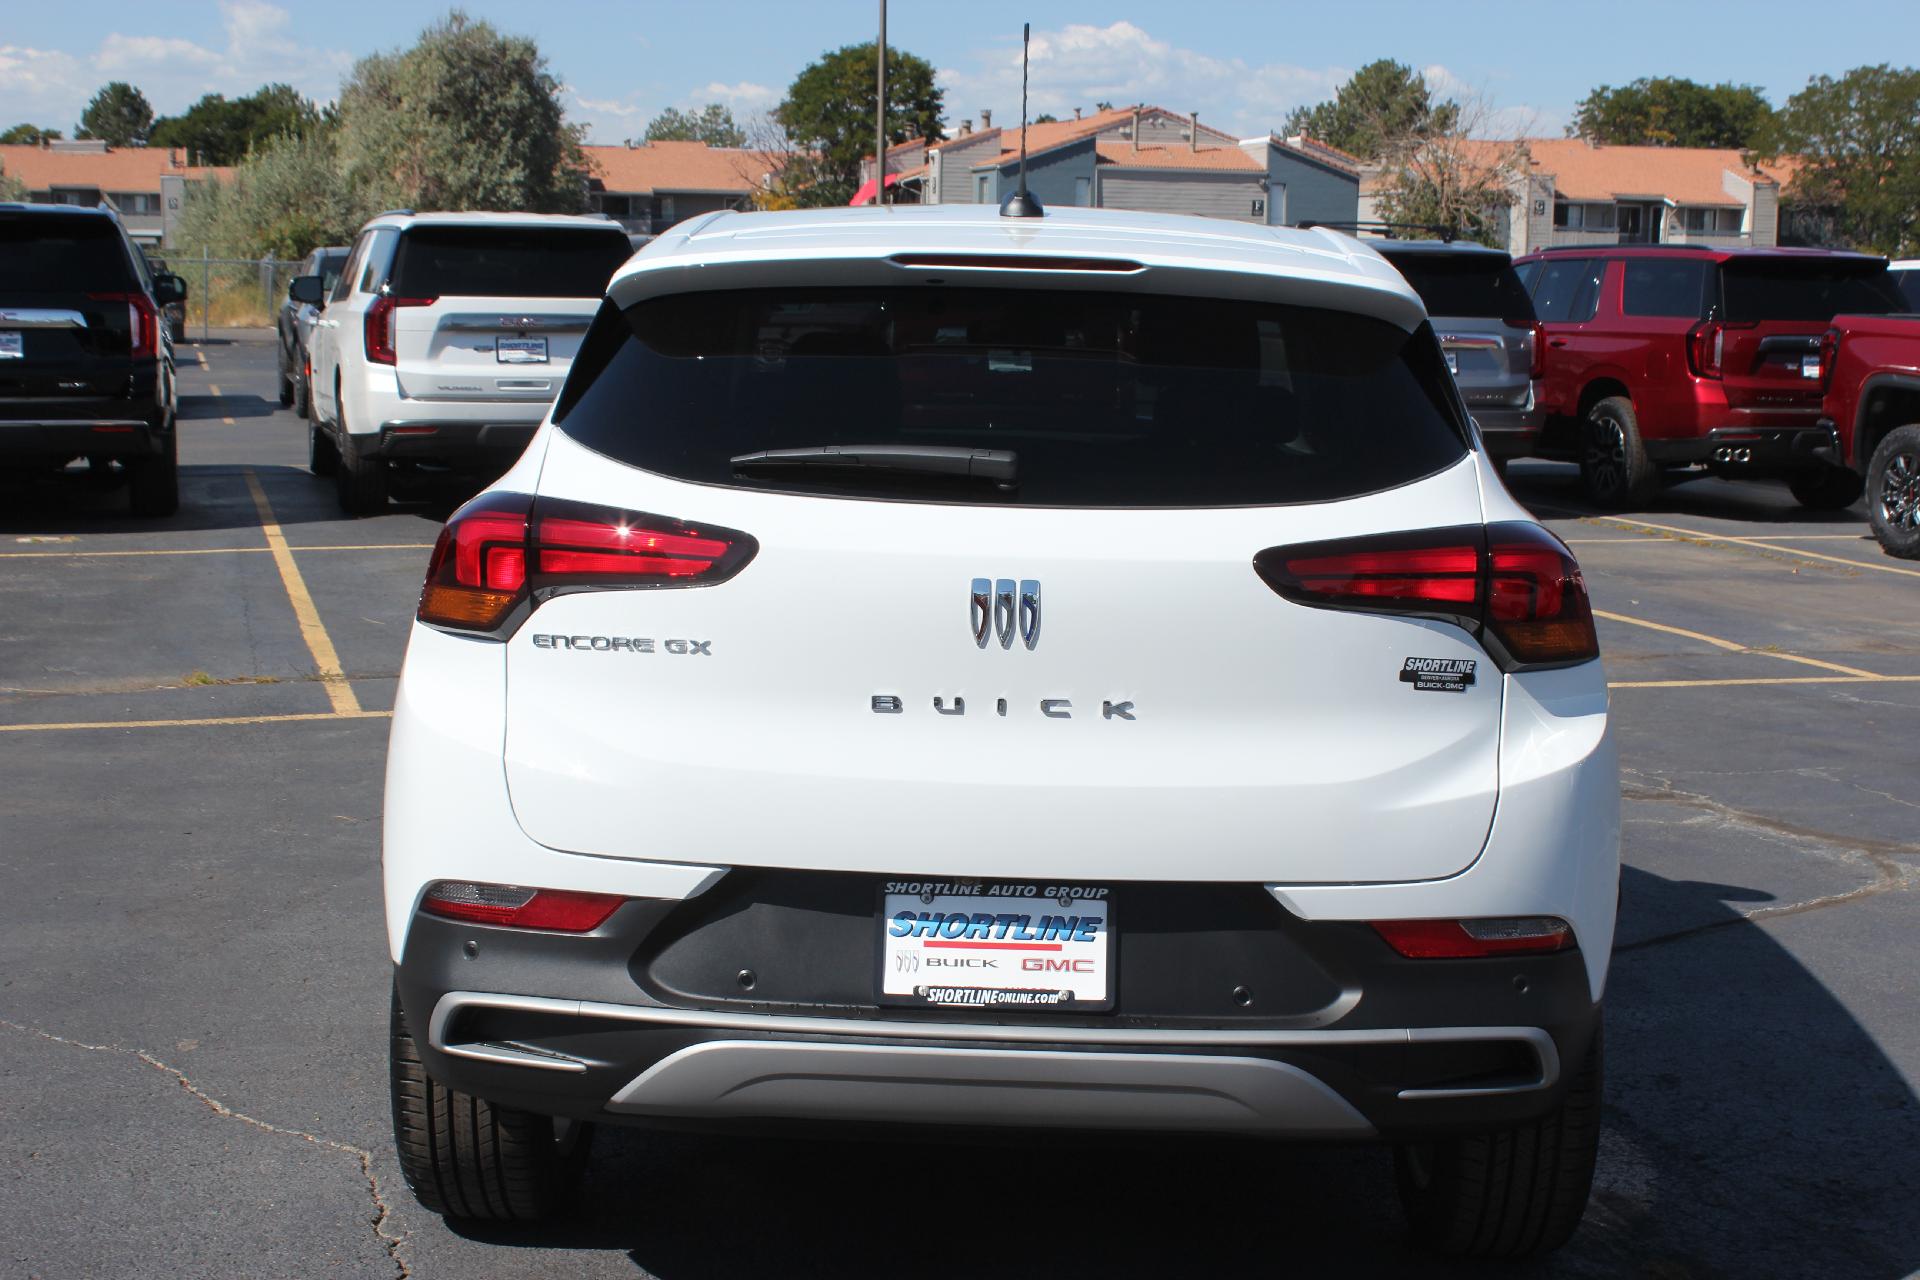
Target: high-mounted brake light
<point x="143" y="322"/>
<point x="555" y="910"/>
<point x="504" y="553"/>
<point x="1513" y="585"/>
<point x="1471" y="939"/>
<point x="380" y="322"/>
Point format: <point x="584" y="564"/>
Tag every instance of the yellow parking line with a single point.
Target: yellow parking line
<point x="1733" y="646"/>
<point x="207" y="551"/>
<point x="325" y="660"/>
<point x="214" y="387"/>
<point x="1717" y="684"/>
<point x="355" y="714"/>
<point x="1738" y="541"/>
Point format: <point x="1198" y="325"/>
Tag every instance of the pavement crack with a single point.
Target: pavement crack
<point x="382" y="1211"/>
<point x="1889" y="874"/>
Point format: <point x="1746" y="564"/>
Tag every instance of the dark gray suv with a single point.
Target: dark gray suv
<point x="1486" y="326"/>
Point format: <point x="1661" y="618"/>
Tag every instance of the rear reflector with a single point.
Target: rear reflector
<point x="504" y="553"/>
<point x="1467" y="939"/>
<point x="1513" y="585"/>
<point x="556" y="910"/>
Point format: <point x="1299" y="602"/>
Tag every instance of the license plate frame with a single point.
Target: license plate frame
<point x="13" y="344"/>
<point x="520" y="350"/>
<point x="1033" y="954"/>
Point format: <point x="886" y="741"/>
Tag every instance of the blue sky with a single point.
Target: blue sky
<point x="1241" y="65"/>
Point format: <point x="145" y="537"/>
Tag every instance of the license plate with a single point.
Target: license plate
<point x="520" y="350"/>
<point x="10" y="345"/>
<point x="1809" y="368"/>
<point x="1007" y="946"/>
<point x="1453" y="362"/>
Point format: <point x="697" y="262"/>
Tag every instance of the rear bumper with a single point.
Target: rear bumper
<point x="1756" y="449"/>
<point x="1510" y="433"/>
<point x="436" y="440"/>
<point x="111" y="434"/>
<point x="1470" y="1053"/>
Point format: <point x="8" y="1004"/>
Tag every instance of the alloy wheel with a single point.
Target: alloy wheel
<point x="1900" y="492"/>
<point x="1605" y="457"/>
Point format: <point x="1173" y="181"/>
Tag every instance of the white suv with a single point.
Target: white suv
<point x="446" y="338"/>
<point x="942" y="668"/>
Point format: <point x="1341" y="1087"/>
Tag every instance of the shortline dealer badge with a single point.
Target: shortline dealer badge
<point x="1439" y="675"/>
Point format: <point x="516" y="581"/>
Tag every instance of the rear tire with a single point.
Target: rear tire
<point x="360" y="481"/>
<point x="1828" y="489"/>
<point x="286" y="381"/>
<point x="470" y="1159"/>
<point x="1614" y="468"/>
<point x="1510" y="1193"/>
<point x="1893" y="492"/>
<point x="153" y="484"/>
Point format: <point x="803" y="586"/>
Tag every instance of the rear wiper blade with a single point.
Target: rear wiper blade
<point x="956" y="461"/>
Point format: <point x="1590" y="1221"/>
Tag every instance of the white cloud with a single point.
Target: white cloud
<point x="1079" y="65"/>
<point x="52" y="88"/>
<point x="741" y="98"/>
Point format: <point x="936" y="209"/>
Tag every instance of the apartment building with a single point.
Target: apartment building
<point x="147" y="185"/>
<point x="649" y="186"/>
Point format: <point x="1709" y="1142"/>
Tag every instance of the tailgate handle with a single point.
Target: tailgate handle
<point x="42" y="318"/>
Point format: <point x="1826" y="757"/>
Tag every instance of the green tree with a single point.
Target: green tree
<point x="1385" y="104"/>
<point x="712" y="124"/>
<point x="119" y="116"/>
<point x="828" y="113"/>
<point x="11" y="188"/>
<point x="467" y="118"/>
<point x="217" y="131"/>
<point x="1857" y="144"/>
<point x="285" y="198"/>
<point x="1046" y="117"/>
<point x="1671" y="112"/>
<point x="31" y="135"/>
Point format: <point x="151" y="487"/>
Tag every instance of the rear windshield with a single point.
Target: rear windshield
<point x="1465" y="285"/>
<point x="43" y="254"/>
<point x="1108" y="399"/>
<point x="507" y="262"/>
<point x="1782" y="289"/>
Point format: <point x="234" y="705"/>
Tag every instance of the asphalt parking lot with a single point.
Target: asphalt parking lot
<point x="193" y="980"/>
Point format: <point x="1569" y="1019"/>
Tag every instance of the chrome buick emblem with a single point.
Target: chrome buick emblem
<point x="995" y="611"/>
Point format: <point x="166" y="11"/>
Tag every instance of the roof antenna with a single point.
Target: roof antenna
<point x="1023" y="203"/>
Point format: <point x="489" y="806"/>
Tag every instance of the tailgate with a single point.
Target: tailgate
<point x="1774" y="310"/>
<point x="463" y="348"/>
<point x="832" y="706"/>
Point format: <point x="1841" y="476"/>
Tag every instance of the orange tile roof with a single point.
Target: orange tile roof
<point x="1223" y="159"/>
<point x="1684" y="175"/>
<point x="679" y="166"/>
<point x="118" y="169"/>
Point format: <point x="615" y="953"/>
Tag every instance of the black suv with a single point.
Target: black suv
<point x="86" y="364"/>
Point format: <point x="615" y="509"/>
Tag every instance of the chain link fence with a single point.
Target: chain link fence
<point x="232" y="293"/>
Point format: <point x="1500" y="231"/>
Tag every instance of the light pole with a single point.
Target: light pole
<point x="880" y="116"/>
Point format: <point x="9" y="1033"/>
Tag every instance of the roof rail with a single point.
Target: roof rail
<point x="1387" y="230"/>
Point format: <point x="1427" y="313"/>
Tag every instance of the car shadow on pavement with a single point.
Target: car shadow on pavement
<point x="1754" y="1128"/>
<point x="1553" y="490"/>
<point x="205" y="408"/>
<point x="76" y="501"/>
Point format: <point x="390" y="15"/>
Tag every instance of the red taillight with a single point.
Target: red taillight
<point x="556" y="910"/>
<point x="1536" y="345"/>
<point x="1829" y="352"/>
<point x="143" y="322"/>
<point x="379" y="325"/>
<point x="1470" y="939"/>
<point x="1537" y="604"/>
<point x="1706" y="343"/>
<point x="503" y="552"/>
<point x="1513" y="585"/>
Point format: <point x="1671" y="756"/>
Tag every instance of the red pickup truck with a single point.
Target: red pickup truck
<point x="1871" y="366"/>
<point x="1682" y="360"/>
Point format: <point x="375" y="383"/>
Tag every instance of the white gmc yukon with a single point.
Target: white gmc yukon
<point x="1066" y="672"/>
<point x="445" y="339"/>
